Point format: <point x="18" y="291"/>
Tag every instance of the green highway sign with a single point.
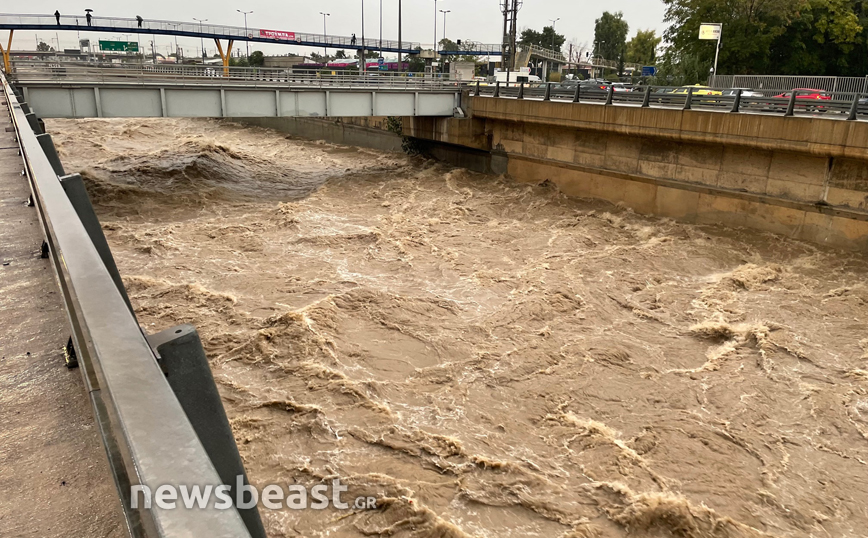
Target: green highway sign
<point x="120" y="46"/>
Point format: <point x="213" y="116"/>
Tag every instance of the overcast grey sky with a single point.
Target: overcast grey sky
<point x="478" y="20"/>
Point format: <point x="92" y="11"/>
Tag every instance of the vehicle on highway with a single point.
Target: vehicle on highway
<point x="697" y="90"/>
<point x="745" y="92"/>
<point x="516" y="78"/>
<point x="807" y="93"/>
<point x="804" y="94"/>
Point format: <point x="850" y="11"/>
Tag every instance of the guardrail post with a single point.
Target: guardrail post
<point x="77" y="194"/>
<point x="521" y="91"/>
<point x="497" y="89"/>
<point x="183" y="360"/>
<point x="578" y="91"/>
<point x="688" y="101"/>
<point x="34" y="123"/>
<point x="854" y="108"/>
<point x="791" y="106"/>
<point x="548" y="94"/>
<point x="646" y="101"/>
<point x="610" y="96"/>
<point x="51" y="152"/>
<point x="736" y="103"/>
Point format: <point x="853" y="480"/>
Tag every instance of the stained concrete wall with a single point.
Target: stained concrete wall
<point x="363" y="132"/>
<point x="803" y="177"/>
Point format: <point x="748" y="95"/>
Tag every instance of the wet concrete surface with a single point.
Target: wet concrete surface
<point x="54" y="476"/>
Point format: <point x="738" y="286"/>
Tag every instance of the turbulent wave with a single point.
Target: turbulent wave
<point x="486" y="358"/>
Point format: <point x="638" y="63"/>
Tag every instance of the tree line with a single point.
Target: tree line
<point x="768" y="37"/>
<point x="772" y="37"/>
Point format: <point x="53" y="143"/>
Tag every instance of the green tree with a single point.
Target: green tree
<point x="257" y="59"/>
<point x="547" y="39"/>
<point x="449" y="45"/>
<point x="415" y="62"/>
<point x="750" y="27"/>
<point x="318" y="58"/>
<point x="822" y="38"/>
<point x="677" y="69"/>
<point x="642" y="49"/>
<point x="42" y="46"/>
<point x="797" y="37"/>
<point x="610" y="37"/>
<point x="341" y="55"/>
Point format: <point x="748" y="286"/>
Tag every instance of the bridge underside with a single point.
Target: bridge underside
<point x="120" y="101"/>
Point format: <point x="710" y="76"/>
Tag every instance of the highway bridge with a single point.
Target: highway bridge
<point x="81" y="92"/>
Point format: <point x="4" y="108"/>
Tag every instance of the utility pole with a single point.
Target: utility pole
<point x="364" y="66"/>
<point x="400" y="44"/>
<point x="510" y="24"/>
<point x="245" y="13"/>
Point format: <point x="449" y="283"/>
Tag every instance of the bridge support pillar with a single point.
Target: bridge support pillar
<point x="225" y="56"/>
<point x="7" y="64"/>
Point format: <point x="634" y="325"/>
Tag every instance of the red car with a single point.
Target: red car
<point x="807" y="93"/>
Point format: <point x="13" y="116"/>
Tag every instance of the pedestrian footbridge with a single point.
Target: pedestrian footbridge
<point x="64" y="92"/>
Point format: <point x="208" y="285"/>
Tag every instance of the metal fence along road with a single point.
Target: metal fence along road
<point x="847" y="106"/>
<point x="25" y="73"/>
<point x="781" y="83"/>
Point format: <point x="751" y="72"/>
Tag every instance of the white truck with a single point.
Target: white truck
<point x="515" y="78"/>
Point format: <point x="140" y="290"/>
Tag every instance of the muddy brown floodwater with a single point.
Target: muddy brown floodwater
<point x="488" y="358"/>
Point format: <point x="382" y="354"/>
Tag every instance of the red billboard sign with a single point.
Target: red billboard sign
<point x="279" y="35"/>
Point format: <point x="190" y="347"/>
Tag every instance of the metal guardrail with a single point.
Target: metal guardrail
<point x="850" y="106"/>
<point x="782" y="83"/>
<point x="35" y="72"/>
<point x="148" y="438"/>
<point x="193" y="29"/>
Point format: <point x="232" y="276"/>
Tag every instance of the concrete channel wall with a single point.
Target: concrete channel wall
<point x="805" y="177"/>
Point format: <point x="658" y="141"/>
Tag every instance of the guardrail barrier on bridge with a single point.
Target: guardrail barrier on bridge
<point x="154" y="400"/>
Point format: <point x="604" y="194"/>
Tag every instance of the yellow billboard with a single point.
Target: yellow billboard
<point x="709" y="31"/>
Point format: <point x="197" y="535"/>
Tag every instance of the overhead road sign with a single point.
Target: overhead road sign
<point x="649" y="71"/>
<point x="120" y="46"/>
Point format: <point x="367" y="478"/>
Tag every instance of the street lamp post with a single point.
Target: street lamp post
<point x="324" y="33"/>
<point x="364" y="66"/>
<point x="599" y="46"/>
<point x="175" y="25"/>
<point x="400" y="60"/>
<point x="381" y="29"/>
<point x="554" y="21"/>
<point x="245" y="13"/>
<point x="444" y="12"/>
<point x="433" y="70"/>
<point x="201" y="38"/>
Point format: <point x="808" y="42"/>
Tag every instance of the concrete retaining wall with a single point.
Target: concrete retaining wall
<point x="802" y="177"/>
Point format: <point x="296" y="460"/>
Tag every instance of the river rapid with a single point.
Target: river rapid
<point x="489" y="358"/>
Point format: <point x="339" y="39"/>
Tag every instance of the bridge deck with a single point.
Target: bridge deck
<point x="53" y="470"/>
<point x="78" y="23"/>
